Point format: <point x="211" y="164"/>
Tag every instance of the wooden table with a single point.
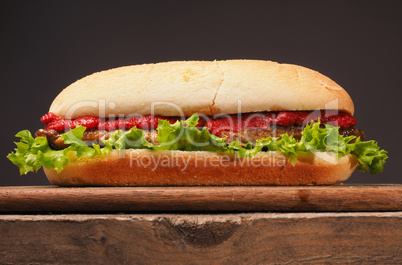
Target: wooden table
<point x="201" y="225"/>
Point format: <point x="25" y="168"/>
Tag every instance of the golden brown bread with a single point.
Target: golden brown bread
<point x="204" y="87"/>
<point x="182" y="168"/>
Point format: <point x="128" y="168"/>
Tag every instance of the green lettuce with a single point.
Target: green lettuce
<point x="183" y="135"/>
<point x="33" y="153"/>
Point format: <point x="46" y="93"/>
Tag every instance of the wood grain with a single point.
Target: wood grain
<point x="342" y="198"/>
<point x="247" y="238"/>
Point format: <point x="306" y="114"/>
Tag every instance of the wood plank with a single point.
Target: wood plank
<point x="248" y="238"/>
<point x="342" y="198"/>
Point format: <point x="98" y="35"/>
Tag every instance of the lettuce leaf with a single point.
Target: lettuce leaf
<point x="289" y="147"/>
<point x="370" y="156"/>
<point x="183" y="135"/>
<point x="33" y="153"/>
<point x="325" y="139"/>
<point x="131" y="139"/>
<point x="248" y="150"/>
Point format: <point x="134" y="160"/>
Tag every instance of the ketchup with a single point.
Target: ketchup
<point x="217" y="124"/>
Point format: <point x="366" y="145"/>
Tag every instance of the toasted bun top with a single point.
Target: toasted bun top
<point x="204" y="87"/>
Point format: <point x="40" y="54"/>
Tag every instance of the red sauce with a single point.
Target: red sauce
<point x="215" y="124"/>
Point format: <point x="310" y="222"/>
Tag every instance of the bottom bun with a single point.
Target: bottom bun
<point x="182" y="168"/>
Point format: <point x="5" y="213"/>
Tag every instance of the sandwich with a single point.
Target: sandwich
<point x="200" y="123"/>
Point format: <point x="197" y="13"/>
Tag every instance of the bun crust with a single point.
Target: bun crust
<point x="204" y="87"/>
<point x="182" y="168"/>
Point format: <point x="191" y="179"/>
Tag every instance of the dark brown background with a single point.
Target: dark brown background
<point x="46" y="45"/>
